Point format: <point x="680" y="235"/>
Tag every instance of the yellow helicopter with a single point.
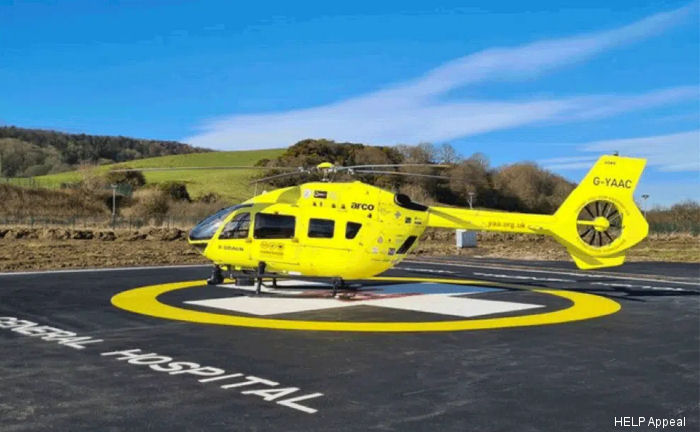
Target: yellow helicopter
<point x="351" y="230"/>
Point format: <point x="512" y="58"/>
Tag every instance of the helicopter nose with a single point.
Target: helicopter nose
<point x="199" y="245"/>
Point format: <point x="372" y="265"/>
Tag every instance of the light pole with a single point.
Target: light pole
<point x="644" y="204"/>
<point x="114" y="203"/>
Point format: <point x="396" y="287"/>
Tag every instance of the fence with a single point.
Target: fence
<point x="674" y="227"/>
<point x="100" y="222"/>
<point x="41" y="183"/>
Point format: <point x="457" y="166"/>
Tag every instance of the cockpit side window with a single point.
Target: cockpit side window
<point x="351" y="230"/>
<point x="237" y="228"/>
<point x="206" y="228"/>
<point x="273" y="226"/>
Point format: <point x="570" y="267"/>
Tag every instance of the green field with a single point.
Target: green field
<point x="232" y="185"/>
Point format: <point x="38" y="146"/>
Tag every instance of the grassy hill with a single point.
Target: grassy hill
<point x="34" y="152"/>
<point x="231" y="185"/>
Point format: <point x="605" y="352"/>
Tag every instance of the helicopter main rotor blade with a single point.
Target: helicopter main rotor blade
<point x="352" y="167"/>
<point x="400" y="173"/>
<point x="264" y="179"/>
<point x="243" y="167"/>
<point x="233" y="167"/>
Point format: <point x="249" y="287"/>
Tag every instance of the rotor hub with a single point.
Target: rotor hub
<point x="601" y="224"/>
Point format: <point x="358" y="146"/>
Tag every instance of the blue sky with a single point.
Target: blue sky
<point x="553" y="82"/>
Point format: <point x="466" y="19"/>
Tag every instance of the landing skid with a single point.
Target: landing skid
<point x="216" y="277"/>
<point x="259" y="278"/>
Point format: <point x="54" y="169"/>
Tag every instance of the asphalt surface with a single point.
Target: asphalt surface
<point x="642" y="361"/>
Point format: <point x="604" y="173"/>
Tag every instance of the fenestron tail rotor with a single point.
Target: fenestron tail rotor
<point x="599" y="223"/>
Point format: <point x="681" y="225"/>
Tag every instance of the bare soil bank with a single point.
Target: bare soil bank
<point x="23" y="248"/>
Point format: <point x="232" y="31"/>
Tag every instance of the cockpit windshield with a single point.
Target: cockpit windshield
<point x="206" y="228"/>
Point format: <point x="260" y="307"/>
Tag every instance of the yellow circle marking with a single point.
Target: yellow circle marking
<point x="144" y="301"/>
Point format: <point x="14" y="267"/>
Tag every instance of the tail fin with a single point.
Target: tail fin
<point x="599" y="221"/>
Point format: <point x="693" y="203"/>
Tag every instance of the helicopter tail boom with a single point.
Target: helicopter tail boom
<point x="597" y="222"/>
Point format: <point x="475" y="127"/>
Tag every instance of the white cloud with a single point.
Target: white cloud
<point x="569" y="166"/>
<point x="412" y="111"/>
<point x="604" y="106"/>
<point x="568" y="163"/>
<point x="672" y="152"/>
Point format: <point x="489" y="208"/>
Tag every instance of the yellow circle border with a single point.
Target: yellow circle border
<point x="144" y="301"/>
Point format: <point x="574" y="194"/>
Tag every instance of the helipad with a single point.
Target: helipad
<point x="435" y="304"/>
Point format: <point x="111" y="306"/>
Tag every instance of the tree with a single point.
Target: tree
<point x="378" y="156"/>
<point x="45" y="151"/>
<point x="135" y="179"/>
<point x="472" y="176"/>
<point x="421" y="153"/>
<point x="446" y="154"/>
<point x="526" y="187"/>
<point x="23" y="159"/>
